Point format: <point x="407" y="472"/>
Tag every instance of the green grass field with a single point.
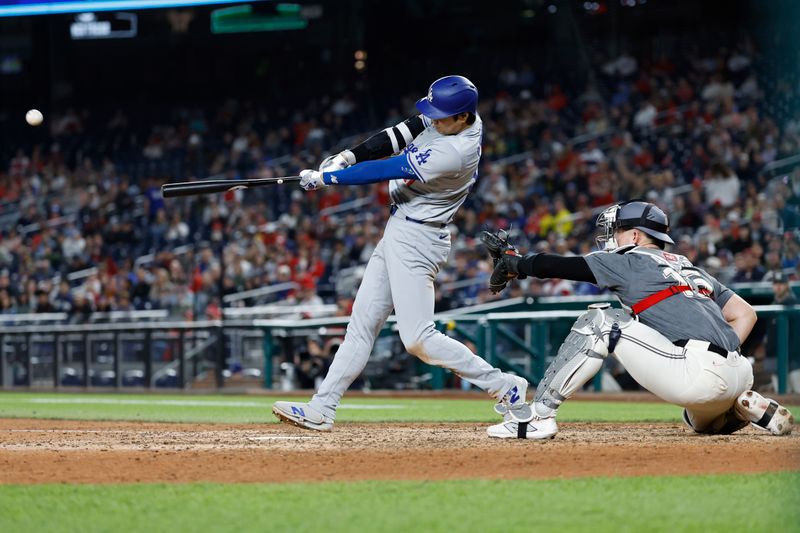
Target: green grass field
<point x="730" y="503"/>
<point x="766" y="503"/>
<point x="257" y="409"/>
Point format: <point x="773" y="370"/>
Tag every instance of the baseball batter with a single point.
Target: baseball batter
<point x="678" y="336"/>
<point x="435" y="166"/>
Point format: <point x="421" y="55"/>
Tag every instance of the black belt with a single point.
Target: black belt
<point x="439" y="225"/>
<point x="711" y="347"/>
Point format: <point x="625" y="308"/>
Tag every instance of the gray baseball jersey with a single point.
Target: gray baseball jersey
<point x="637" y="273"/>
<point x="400" y="273"/>
<point x="446" y="166"/>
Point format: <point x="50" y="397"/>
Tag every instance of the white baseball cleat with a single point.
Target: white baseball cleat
<point x="764" y="413"/>
<point x="302" y="415"/>
<point x="513" y="403"/>
<point x="538" y="428"/>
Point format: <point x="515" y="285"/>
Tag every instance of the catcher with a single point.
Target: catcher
<point x="678" y="335"/>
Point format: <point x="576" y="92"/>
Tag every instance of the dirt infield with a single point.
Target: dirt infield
<point x="48" y="451"/>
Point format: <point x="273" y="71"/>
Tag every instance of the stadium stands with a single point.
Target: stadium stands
<point x="84" y="227"/>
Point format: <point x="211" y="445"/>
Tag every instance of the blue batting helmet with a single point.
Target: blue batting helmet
<point x="449" y="96"/>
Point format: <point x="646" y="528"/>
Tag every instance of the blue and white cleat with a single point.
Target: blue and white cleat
<point x="513" y="404"/>
<point x="302" y="415"/>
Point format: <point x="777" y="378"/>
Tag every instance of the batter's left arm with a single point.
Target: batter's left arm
<point x="388" y="142"/>
<point x="740" y="315"/>
<point x="383" y="144"/>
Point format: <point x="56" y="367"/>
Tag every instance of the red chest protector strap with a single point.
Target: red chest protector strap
<point x="659" y="296"/>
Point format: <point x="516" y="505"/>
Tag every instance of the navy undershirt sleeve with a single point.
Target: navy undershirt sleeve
<point x="574" y="268"/>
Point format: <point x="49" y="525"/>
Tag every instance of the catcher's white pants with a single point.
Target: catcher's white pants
<point x="400" y="276"/>
<point x="703" y="382"/>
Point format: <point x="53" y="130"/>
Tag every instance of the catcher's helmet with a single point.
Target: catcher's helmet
<point x="637" y="214"/>
<point x="449" y="96"/>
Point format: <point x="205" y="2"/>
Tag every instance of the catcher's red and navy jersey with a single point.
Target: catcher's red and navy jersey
<point x="636" y="273"/>
<point x="445" y="167"/>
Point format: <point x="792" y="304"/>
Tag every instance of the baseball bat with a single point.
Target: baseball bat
<point x="191" y="188"/>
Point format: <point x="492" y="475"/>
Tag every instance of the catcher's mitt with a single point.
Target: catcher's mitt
<point x="497" y="244"/>
<point x="502" y="252"/>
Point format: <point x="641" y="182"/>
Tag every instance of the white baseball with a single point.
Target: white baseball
<point x="34" y="117"/>
<point x="280" y="181"/>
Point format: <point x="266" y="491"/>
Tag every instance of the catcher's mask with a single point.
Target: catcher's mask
<point x="637" y="214"/>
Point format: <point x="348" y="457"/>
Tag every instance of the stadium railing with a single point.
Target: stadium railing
<point x="106" y="355"/>
<point x="176" y="354"/>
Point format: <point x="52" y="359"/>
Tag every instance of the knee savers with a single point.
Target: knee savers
<point x="580" y="356"/>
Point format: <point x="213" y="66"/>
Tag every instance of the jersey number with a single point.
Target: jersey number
<point x="700" y="287"/>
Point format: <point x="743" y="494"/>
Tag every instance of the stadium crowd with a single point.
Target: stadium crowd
<point x="84" y="227"/>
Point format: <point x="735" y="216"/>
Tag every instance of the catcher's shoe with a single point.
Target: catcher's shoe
<point x="513" y="403"/>
<point x="538" y="428"/>
<point x="764" y="413"/>
<point x="302" y="415"/>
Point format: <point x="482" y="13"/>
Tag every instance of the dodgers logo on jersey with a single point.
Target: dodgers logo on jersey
<point x="410" y="148"/>
<point x="422" y="157"/>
